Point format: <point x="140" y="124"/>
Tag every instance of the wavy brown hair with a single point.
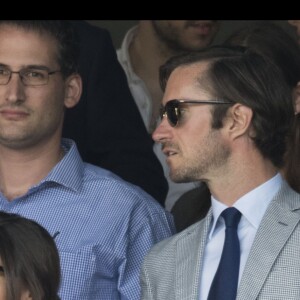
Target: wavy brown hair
<point x="273" y="42"/>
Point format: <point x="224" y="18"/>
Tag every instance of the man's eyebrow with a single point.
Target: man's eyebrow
<point x="38" y="67"/>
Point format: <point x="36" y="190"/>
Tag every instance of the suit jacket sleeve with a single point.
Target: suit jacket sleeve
<point x="106" y="124"/>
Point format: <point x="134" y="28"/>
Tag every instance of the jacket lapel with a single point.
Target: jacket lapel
<point x="189" y="254"/>
<point x="279" y="222"/>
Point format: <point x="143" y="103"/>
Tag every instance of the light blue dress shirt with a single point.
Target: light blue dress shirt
<point x="103" y="225"/>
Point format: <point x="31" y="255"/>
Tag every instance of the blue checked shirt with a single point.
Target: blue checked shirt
<point x="103" y="225"/>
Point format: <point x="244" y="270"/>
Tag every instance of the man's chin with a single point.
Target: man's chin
<point x="179" y="178"/>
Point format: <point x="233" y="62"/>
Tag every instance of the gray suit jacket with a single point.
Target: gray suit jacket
<point x="172" y="268"/>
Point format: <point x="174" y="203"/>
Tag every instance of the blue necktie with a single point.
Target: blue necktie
<point x="224" y="285"/>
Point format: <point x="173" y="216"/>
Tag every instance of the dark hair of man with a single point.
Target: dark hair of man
<point x="30" y="258"/>
<point x="239" y="75"/>
<point x="272" y="41"/>
<point x="65" y="35"/>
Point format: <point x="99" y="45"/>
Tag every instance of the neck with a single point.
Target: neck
<point x="239" y="179"/>
<point x="20" y="169"/>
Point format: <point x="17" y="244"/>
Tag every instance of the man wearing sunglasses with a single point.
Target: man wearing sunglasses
<point x="226" y="113"/>
<point x="144" y="49"/>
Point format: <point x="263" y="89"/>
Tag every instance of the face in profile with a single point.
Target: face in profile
<point x="194" y="150"/>
<point x="186" y="35"/>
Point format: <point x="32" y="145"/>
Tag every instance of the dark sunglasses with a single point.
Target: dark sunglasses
<point x="173" y="112"/>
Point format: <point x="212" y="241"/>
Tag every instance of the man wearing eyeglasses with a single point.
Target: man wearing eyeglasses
<point x="103" y="226"/>
<point x="226" y="113"/>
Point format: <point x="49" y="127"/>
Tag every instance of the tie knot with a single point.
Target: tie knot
<point x="231" y="217"/>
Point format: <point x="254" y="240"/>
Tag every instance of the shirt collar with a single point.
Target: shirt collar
<point x="252" y="205"/>
<point x="69" y="171"/>
<point x="124" y="53"/>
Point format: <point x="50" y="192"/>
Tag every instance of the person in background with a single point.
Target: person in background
<point x="106" y="124"/>
<point x="103" y="225"/>
<point x="144" y="49"/>
<point x="226" y="114"/>
<point x="29" y="260"/>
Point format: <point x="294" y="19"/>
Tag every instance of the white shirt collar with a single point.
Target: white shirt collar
<point x="123" y="53"/>
<point x="252" y="205"/>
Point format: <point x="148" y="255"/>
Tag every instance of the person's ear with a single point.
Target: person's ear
<point x="238" y="120"/>
<point x="73" y="90"/>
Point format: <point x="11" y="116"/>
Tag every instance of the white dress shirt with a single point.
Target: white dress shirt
<point x="253" y="206"/>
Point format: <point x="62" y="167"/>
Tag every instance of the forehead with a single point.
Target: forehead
<point x="20" y="47"/>
<point x="183" y="82"/>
